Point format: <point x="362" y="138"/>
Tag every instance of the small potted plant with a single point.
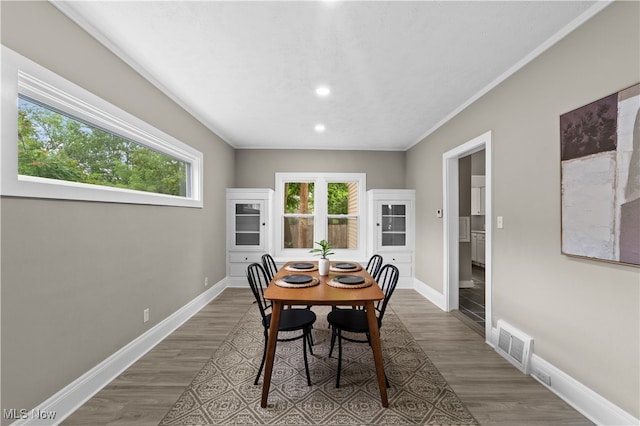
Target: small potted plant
<point x="323" y="252"/>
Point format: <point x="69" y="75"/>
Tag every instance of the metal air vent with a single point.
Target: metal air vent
<point x="514" y="346"/>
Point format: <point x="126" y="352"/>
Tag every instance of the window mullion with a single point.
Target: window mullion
<point x="322" y="210"/>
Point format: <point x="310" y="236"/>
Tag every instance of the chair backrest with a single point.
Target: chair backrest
<point x="269" y="266"/>
<point x="258" y="281"/>
<point x="374" y="265"/>
<point x="387" y="280"/>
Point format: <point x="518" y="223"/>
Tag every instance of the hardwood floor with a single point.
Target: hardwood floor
<point x="494" y="391"/>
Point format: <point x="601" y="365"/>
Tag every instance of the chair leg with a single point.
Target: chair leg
<point x="333" y="341"/>
<point x="264" y="355"/>
<point x="339" y="358"/>
<point x="304" y="353"/>
<point x="310" y="337"/>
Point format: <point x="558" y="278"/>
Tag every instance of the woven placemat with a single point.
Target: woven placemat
<point x="292" y="269"/>
<point x="336" y="284"/>
<point x="334" y="269"/>
<point x="314" y="281"/>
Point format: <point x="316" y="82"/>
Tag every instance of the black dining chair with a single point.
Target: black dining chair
<point x="290" y="319"/>
<point x="374" y="265"/>
<point x="373" y="268"/>
<point x="269" y="266"/>
<point x="355" y="320"/>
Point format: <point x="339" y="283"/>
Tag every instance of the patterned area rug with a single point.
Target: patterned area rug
<point x="223" y="391"/>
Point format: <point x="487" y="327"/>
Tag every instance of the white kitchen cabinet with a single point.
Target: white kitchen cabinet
<point x="478" y="201"/>
<point x="248" y="230"/>
<point x="474" y="246"/>
<point x="391" y="229"/>
<point x="478" y="247"/>
<point x="478" y="195"/>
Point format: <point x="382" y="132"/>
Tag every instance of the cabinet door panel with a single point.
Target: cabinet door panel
<point x="247" y="220"/>
<point x="392" y="224"/>
<point x="390" y="239"/>
<point x="474" y="247"/>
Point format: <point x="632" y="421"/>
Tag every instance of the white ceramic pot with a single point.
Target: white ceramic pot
<point x="323" y="266"/>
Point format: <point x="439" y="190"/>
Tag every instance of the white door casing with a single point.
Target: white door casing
<point x="450" y="224"/>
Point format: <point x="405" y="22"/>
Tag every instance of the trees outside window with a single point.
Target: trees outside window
<point x="320" y="206"/>
<point x="56" y="146"/>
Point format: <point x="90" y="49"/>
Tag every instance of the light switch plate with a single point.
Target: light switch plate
<point x="500" y="222"/>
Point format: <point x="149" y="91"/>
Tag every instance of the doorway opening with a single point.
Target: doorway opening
<point x="467" y="270"/>
<point x="472" y="248"/>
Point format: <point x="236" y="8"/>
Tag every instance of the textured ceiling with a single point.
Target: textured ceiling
<point x="396" y="70"/>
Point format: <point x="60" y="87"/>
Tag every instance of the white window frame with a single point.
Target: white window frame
<point x="23" y="76"/>
<point x="320" y="214"/>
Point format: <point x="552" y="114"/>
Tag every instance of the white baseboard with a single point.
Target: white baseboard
<point x="430" y="294"/>
<point x="582" y="398"/>
<point x="71" y="397"/>
<point x="466" y="284"/>
<point x="589" y="403"/>
<point x="67" y="400"/>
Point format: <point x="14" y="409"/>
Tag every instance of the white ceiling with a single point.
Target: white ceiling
<point x="397" y="70"/>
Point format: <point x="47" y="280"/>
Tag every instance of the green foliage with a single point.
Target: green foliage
<point x="338" y="198"/>
<point x="295" y="191"/>
<point x="324" y="250"/>
<point x="54" y="146"/>
<point x="337" y="193"/>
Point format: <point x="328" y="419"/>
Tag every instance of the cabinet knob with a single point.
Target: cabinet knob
<point x="377" y="224"/>
<point x="264" y="224"/>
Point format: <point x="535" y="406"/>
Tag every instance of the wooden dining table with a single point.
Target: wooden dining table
<point x="323" y="294"/>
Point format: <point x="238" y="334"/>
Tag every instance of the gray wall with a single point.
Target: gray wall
<point x="584" y="315"/>
<point x="256" y="168"/>
<point x="77" y="276"/>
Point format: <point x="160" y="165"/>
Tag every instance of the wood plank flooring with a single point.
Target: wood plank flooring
<point x="494" y="391"/>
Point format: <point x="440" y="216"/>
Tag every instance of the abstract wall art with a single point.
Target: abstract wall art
<point x="600" y="179"/>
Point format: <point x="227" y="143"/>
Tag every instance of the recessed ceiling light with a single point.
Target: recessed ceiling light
<point x="320" y="128"/>
<point x="323" y="91"/>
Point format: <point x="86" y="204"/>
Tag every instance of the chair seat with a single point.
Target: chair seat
<point x="353" y="320"/>
<point x="294" y="319"/>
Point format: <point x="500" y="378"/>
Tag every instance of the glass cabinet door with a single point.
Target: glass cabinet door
<point x="393" y="225"/>
<point x="248" y="224"/>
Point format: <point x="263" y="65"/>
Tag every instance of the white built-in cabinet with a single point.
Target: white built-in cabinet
<point x="391" y="229"/>
<point x="478" y="195"/>
<point x="390" y="223"/>
<point x="248" y="230"/>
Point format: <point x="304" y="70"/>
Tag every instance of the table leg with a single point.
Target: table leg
<point x="271" y="351"/>
<point x="377" y="351"/>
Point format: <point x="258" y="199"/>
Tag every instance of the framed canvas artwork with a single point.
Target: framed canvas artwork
<point x="600" y="179"/>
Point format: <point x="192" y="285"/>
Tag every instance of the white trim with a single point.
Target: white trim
<point x="20" y="75"/>
<point x="320" y="232"/>
<point x="72" y="396"/>
<point x="566" y="30"/>
<point x="430" y="294"/>
<point x="451" y="254"/>
<point x="589" y="403"/>
<point x="465" y="284"/>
